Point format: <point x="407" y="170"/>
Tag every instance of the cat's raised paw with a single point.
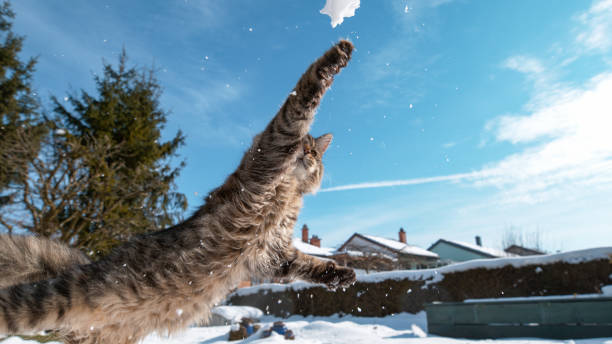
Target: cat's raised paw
<point x="346" y="47"/>
<point x="335" y="276"/>
<point x="334" y="60"/>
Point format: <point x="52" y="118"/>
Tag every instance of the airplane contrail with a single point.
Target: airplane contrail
<point x="414" y="181"/>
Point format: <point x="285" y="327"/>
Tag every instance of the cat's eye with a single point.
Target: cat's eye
<point x="314" y="153"/>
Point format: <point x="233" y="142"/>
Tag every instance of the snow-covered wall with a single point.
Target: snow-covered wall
<point x="379" y="294"/>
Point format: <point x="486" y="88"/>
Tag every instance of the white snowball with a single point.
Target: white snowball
<point x="340" y="9"/>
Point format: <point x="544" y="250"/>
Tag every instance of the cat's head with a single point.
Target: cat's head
<point x="309" y="164"/>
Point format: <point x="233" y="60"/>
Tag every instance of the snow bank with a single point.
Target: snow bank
<point x="337" y="10"/>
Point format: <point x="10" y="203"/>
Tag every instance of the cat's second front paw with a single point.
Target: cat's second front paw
<point x="335" y="276"/>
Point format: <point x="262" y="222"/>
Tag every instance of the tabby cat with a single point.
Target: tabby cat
<point x="166" y="280"/>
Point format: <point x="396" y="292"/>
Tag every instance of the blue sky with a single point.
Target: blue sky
<point x="464" y="117"/>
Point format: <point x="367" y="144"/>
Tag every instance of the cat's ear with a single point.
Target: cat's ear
<point x="322" y="142"/>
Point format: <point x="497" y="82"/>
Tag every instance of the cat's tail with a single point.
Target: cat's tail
<point x="26" y="259"/>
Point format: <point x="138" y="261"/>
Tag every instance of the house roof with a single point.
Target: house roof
<point x="485" y="251"/>
<point x="523" y="251"/>
<point x="394" y="245"/>
<point x="311" y="249"/>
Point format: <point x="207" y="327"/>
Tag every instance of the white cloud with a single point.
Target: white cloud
<point x="524" y="64"/>
<point x="569" y="148"/>
<point x="597" y="33"/>
<point x="572" y="145"/>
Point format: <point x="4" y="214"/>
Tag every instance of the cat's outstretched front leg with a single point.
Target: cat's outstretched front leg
<point x="274" y="148"/>
<point x="293" y="120"/>
<point x="315" y="270"/>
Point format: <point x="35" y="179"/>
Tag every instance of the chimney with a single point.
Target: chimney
<point x="305" y="234"/>
<point x="315" y="241"/>
<point x="402" y="235"/>
<point x="478" y="240"/>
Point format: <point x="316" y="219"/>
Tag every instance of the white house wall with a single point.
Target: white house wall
<point x="449" y="252"/>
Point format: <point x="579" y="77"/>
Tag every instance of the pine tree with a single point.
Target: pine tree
<point x="101" y="173"/>
<point x="18" y="108"/>
<point x="136" y="192"/>
<point x="95" y="172"/>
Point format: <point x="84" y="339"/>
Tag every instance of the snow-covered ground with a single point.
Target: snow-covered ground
<point x="401" y="328"/>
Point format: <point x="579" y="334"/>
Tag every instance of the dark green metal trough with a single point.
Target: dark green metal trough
<point x="541" y="318"/>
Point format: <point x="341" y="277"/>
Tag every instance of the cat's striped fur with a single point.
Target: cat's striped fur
<point x="166" y="280"/>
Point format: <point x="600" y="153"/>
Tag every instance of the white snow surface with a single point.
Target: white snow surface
<point x="337" y="10"/>
<point x="607" y="290"/>
<point x="312" y="249"/>
<point x="403" y="328"/>
<point x="400" y="246"/>
<point x="237" y="312"/>
<point x="436" y="275"/>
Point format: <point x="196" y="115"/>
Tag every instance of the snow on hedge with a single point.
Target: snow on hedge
<point x="436" y="275"/>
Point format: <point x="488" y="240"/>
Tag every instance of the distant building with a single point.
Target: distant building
<point x="451" y="251"/>
<point x="312" y="246"/>
<point x="384" y="254"/>
<point x="523" y="251"/>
